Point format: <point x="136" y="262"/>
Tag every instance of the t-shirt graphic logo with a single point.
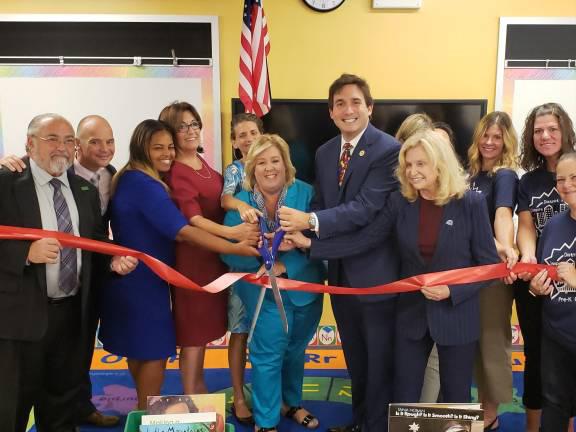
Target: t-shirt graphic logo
<point x="542" y="207"/>
<point x="475" y="188"/>
<point x="564" y="253"/>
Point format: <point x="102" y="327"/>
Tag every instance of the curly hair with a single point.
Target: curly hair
<point x="530" y="158"/>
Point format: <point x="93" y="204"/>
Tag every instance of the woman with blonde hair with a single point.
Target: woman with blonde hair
<point x="277" y="358"/>
<point x="412" y="124"/>
<point x="439" y="225"/>
<point x="492" y="164"/>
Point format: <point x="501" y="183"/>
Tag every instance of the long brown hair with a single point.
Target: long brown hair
<point x="140" y="150"/>
<point x="530" y="158"/>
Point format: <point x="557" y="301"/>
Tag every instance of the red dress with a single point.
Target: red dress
<point x="200" y="318"/>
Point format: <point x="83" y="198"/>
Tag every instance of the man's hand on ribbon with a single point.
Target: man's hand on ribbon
<point x="44" y="251"/>
<point x="436" y="293"/>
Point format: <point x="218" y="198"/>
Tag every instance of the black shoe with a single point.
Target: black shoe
<point x="247" y="421"/>
<point x="348" y="428"/>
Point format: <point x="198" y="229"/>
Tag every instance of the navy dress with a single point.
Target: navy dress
<point x="136" y="320"/>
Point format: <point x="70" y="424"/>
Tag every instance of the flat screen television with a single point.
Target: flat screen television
<point x="306" y="124"/>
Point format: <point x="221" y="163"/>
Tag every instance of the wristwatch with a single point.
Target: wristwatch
<point x="312" y="221"/>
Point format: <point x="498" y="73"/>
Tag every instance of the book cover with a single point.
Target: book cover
<point x="185" y="427"/>
<point x="419" y="417"/>
<point x="171" y="404"/>
<point x="169" y="419"/>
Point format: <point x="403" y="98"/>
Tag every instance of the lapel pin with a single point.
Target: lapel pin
<point x="362" y="153"/>
<point x="84" y="188"/>
<point x="449" y="222"/>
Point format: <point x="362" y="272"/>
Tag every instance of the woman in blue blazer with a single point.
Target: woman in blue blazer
<point x="277" y="358"/>
<point x="438" y="225"/>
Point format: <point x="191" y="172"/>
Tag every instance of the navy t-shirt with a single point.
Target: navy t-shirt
<point x="537" y="193"/>
<point x="499" y="189"/>
<point x="558" y="244"/>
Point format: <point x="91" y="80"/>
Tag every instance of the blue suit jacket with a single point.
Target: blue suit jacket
<point x="465" y="239"/>
<point x="298" y="265"/>
<point x="368" y="181"/>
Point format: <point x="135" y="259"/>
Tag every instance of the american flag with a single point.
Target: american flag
<point x="254" y="86"/>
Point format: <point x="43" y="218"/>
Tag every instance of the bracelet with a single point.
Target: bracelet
<point x="531" y="293"/>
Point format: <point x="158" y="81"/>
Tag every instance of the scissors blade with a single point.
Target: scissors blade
<point x="278" y="300"/>
<point x="256" y="312"/>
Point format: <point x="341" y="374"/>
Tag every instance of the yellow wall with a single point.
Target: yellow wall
<point x="447" y="49"/>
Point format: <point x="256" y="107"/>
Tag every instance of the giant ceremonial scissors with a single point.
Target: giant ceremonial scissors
<point x="269" y="256"/>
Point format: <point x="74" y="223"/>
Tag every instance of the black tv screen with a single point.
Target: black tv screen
<point x="306" y="124"/>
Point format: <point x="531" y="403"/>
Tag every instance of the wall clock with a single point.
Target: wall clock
<point x="323" y="5"/>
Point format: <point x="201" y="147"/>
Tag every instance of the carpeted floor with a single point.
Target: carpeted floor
<point x="326" y="394"/>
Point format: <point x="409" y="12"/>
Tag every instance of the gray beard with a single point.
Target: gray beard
<point x="59" y="164"/>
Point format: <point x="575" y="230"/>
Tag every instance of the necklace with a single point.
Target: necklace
<point x="197" y="172"/>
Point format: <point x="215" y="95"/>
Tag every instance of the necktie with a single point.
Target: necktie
<point x="67" y="278"/>
<point x="95" y="180"/>
<point x="343" y="164"/>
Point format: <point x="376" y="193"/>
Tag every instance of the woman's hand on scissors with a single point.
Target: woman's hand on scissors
<point x="278" y="269"/>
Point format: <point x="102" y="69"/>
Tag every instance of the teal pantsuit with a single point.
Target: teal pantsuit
<point x="278" y="358"/>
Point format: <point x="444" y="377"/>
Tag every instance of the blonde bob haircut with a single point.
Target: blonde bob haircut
<point x="263" y="143"/>
<point x="508" y="157"/>
<point x="451" y="182"/>
<point x="412" y="124"/>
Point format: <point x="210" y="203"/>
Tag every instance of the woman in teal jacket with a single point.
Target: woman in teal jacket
<point x="277" y="358"/>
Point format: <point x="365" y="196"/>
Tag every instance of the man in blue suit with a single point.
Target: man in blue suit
<point x="354" y="176"/>
<point x="95" y="148"/>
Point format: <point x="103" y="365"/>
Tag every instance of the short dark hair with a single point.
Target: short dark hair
<point x="347" y="79"/>
<point x="245" y="117"/>
<point x="530" y="158"/>
<point x="172" y="114"/>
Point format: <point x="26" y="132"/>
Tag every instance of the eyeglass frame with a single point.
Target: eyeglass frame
<point x="185" y="127"/>
<point x="53" y="139"/>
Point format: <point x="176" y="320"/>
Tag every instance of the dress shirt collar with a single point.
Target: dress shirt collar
<point x="84" y="172"/>
<point x="42" y="177"/>
<point x="353" y="142"/>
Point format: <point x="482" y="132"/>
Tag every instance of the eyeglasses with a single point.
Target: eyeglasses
<point x="185" y="127"/>
<point x="55" y="140"/>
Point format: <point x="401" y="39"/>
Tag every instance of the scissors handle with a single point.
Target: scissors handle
<point x="276" y="243"/>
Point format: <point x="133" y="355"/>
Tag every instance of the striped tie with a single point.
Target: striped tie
<point x="343" y="163"/>
<point x="67" y="278"/>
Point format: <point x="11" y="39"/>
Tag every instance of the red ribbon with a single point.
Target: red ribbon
<point x="414" y="283"/>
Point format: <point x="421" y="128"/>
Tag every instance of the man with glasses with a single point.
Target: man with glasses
<point x="45" y="296"/>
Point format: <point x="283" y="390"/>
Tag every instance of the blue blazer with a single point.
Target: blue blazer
<point x="368" y="181"/>
<point x="465" y="239"/>
<point x="298" y="265"/>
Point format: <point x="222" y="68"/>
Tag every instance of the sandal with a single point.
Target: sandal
<point x="495" y="425"/>
<point x="309" y="421"/>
